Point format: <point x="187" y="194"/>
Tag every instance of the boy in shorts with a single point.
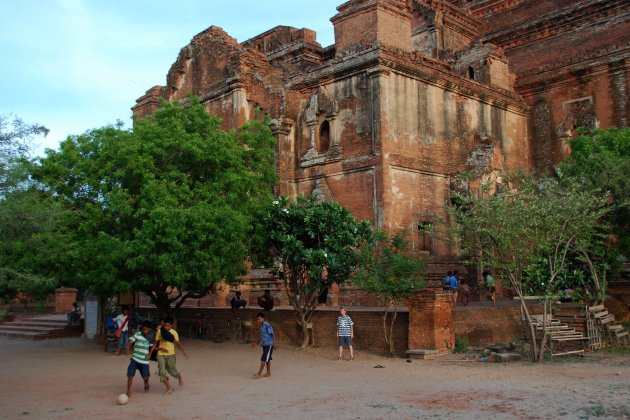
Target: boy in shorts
<point x="165" y="341"/>
<point x="141" y="343"/>
<point x="268" y="344"/>
<point x="345" y="332"/>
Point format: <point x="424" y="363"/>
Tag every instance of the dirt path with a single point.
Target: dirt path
<point x="64" y="378"/>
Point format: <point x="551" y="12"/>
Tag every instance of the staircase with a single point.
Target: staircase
<point x="41" y="327"/>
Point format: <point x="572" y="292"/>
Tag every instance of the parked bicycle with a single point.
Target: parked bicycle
<point x="238" y="331"/>
<point x="242" y="331"/>
<point x="200" y="328"/>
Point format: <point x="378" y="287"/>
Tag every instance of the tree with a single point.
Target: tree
<point x="166" y="208"/>
<point x="600" y="160"/>
<point x="541" y="222"/>
<point x="15" y="146"/>
<point x="314" y="245"/>
<point x="28" y="218"/>
<point x="388" y="268"/>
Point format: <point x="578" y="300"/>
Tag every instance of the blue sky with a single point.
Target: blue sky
<point x="73" y="65"/>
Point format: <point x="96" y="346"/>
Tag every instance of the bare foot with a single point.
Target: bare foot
<point x="169" y="391"/>
<point x="181" y="381"/>
<point x="146" y="387"/>
<point x="256" y="375"/>
<point x="267" y="375"/>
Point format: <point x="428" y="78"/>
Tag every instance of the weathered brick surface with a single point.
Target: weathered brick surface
<point x="483" y="326"/>
<point x="368" y="326"/>
<point x="412" y="96"/>
<point x="64" y="298"/>
<point x="431" y="321"/>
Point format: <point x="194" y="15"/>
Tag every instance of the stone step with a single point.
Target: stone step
<point x="506" y="357"/>
<point x="48" y="324"/>
<point x="41" y="327"/>
<point x="24" y="334"/>
<point x="422" y="354"/>
<point x="34" y="328"/>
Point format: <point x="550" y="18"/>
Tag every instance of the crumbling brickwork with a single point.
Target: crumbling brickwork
<point x="416" y="97"/>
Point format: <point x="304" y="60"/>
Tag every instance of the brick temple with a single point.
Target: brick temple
<point x="415" y="99"/>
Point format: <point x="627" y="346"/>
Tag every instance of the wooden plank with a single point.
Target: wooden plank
<point x="570" y="339"/>
<point x="596" y="308"/>
<point x="567" y="352"/>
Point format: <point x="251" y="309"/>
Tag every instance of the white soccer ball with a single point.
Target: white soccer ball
<point x="123" y="399"/>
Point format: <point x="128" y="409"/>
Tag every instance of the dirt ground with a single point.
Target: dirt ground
<point x="64" y="378"/>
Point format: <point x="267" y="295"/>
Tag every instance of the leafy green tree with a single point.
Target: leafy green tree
<point x="314" y="246"/>
<point x="539" y="224"/>
<point x="15" y="146"/>
<point x="388" y="268"/>
<point x="29" y="219"/>
<point x="600" y="160"/>
<point x="166" y="208"/>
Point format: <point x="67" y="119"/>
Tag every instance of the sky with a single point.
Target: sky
<point x="74" y="65"/>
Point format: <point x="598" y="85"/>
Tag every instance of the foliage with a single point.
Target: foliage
<point x="15" y="146"/>
<point x="28" y="218"/>
<point x="600" y="160"/>
<point x="314" y="244"/>
<point x="388" y="268"/>
<point x="461" y="345"/>
<point x="166" y="208"/>
<point x="31" y="244"/>
<point x="539" y="224"/>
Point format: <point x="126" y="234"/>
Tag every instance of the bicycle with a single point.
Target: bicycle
<point x="200" y="328"/>
<point x="238" y="332"/>
<point x="242" y="333"/>
<point x="223" y="335"/>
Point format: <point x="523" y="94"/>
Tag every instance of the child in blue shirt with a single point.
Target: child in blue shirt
<point x="268" y="344"/>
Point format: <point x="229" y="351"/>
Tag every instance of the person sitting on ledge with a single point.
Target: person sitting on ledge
<point x="237" y="302"/>
<point x="266" y="301"/>
<point x="75" y="314"/>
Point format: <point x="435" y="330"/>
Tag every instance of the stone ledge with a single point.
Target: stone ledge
<point x="422" y="354"/>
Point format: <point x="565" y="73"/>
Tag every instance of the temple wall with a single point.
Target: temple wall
<point x="430" y="134"/>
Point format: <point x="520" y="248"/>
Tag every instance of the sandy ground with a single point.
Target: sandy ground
<point x="64" y="378"/>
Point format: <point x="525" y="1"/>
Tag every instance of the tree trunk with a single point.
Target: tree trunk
<point x="162" y="302"/>
<point x="300" y="316"/>
<point x="528" y="320"/>
<point x="391" y="331"/>
<point x="385" y="326"/>
<point x="541" y="352"/>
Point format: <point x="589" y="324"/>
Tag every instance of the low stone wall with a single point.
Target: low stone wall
<point x="479" y="326"/>
<point x="482" y="326"/>
<point x="368" y="326"/>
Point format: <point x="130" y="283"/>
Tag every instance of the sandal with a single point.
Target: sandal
<point x="352" y="358"/>
<point x="338" y="358"/>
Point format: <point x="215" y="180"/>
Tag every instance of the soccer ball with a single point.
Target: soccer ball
<point x="123" y="399"/>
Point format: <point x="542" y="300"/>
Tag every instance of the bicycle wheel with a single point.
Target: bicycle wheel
<point x="206" y="332"/>
<point x="217" y="337"/>
<point x="192" y="331"/>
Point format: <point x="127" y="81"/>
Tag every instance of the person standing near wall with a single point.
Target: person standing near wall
<point x="345" y="333"/>
<point x="490" y="286"/>
<point x="454" y="287"/>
